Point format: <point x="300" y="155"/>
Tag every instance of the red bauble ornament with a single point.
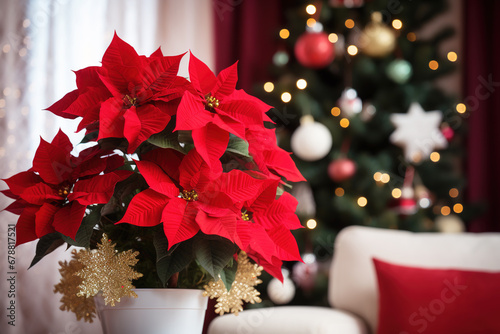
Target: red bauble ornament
<point x="407" y="206"/>
<point x="447" y="132"/>
<point x="314" y="50"/>
<point x="341" y="169"/>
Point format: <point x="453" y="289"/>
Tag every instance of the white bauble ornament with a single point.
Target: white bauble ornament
<point x="368" y="112"/>
<point x="423" y="196"/>
<point x="305" y="273"/>
<point x="312" y="140"/>
<point x="303" y="193"/>
<point x="281" y="293"/>
<point x="349" y="103"/>
<point x="449" y="224"/>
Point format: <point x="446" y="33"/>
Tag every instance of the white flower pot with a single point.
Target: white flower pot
<point x="155" y="311"/>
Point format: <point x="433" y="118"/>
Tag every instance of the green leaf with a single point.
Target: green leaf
<point x="187" y="147"/>
<point x="175" y="262"/>
<point x="82" y="238"/>
<point x="238" y="146"/>
<point x="213" y="254"/>
<point x="160" y="242"/>
<point x="228" y="274"/>
<point x="92" y="136"/>
<point x="46" y="245"/>
<point x="166" y="140"/>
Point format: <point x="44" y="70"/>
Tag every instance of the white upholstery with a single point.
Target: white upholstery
<point x="289" y="320"/>
<point x="353" y="286"/>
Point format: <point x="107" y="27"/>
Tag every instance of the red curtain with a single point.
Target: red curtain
<point x="246" y="31"/>
<point x="482" y="97"/>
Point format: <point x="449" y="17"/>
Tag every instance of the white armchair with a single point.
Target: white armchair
<point x="353" y="290"/>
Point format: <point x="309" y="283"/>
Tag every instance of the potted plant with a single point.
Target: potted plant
<point x="183" y="187"/>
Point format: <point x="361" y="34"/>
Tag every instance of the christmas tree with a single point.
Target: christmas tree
<point x="378" y="142"/>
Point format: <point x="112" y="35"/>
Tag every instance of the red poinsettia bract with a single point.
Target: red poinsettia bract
<point x="216" y="110"/>
<point x="85" y="101"/>
<point x="52" y="196"/>
<point x="132" y="97"/>
<point x="268" y="156"/>
<point x="182" y="207"/>
<point x="263" y="226"/>
<point x="129" y="96"/>
<point x="263" y="231"/>
<point x="240" y="206"/>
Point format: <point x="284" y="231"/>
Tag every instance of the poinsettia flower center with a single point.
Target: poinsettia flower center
<point x="246" y="215"/>
<point x="212" y="102"/>
<point x="189" y="196"/>
<point x="130" y="101"/>
<point x="64" y="191"/>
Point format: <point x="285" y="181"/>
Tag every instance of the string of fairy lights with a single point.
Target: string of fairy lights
<point x="381" y="178"/>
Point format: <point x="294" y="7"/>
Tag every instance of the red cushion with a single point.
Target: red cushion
<point x="437" y="301"/>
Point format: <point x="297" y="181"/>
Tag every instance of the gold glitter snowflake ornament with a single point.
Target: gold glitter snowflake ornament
<point x="107" y="270"/>
<point x="242" y="289"/>
<point x="82" y="306"/>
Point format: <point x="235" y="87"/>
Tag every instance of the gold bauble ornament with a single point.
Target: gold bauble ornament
<point x="377" y="39"/>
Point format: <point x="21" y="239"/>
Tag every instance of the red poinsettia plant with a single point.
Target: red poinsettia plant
<point x="187" y="172"/>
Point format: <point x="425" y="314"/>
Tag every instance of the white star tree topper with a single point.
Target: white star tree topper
<point x="417" y="132"/>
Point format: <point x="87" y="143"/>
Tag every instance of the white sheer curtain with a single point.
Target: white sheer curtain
<point x="41" y="42"/>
